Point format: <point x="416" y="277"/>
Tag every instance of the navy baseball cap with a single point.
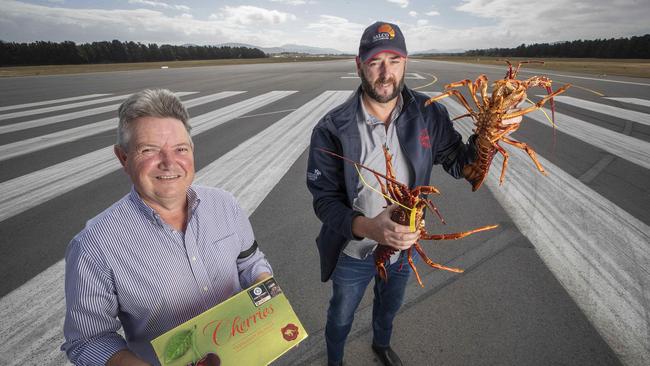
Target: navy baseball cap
<point x="381" y="37"/>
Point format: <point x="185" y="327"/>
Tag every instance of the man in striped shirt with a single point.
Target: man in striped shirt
<point x="164" y="253"/>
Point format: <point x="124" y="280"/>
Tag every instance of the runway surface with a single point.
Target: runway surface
<point x="565" y="279"/>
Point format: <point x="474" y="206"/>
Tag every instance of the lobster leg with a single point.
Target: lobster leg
<point x="527" y="149"/>
<point x="412" y="264"/>
<point x="463" y="116"/>
<point x="427" y="236"/>
<point x="431" y="263"/>
<point x="482" y="85"/>
<point x="424" y="190"/>
<point x="505" y="161"/>
<point x="433" y="208"/>
<point x="455" y="93"/>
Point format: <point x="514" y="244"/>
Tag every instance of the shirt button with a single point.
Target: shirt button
<point x="194" y="259"/>
<point x="205" y="289"/>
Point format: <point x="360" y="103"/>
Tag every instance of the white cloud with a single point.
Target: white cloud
<point x="413" y="13"/>
<point x="432" y="13"/>
<point x="335" y="32"/>
<point x="502" y="23"/>
<point x="252" y="15"/>
<point x="27" y="22"/>
<point x="292" y="2"/>
<point x="160" y="4"/>
<point x="554" y="20"/>
<point x="401" y="3"/>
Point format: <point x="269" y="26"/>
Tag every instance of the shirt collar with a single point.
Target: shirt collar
<point x="371" y="120"/>
<point x="193" y="200"/>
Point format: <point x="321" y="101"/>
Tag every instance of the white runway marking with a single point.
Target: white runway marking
<point x="637" y="101"/>
<point x="633" y="116"/>
<point x="596" y="250"/>
<point x="65" y="117"/>
<point x="30" y="190"/>
<point x="34" y="111"/>
<point x="625" y="147"/>
<point x="33" y="313"/>
<point x="52" y="101"/>
<point x="37" y="143"/>
<point x="256" y="166"/>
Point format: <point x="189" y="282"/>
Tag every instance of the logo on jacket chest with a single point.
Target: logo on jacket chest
<point x="424" y="138"/>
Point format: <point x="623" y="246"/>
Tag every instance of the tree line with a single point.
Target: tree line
<point x="633" y="47"/>
<point x="54" y="53"/>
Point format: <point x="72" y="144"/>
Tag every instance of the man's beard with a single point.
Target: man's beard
<point x="370" y="90"/>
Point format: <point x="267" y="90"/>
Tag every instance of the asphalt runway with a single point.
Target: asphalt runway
<point x="563" y="280"/>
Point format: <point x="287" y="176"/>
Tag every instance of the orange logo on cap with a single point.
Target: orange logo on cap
<point x="386" y="28"/>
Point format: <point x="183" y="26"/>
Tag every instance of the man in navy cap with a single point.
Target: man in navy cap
<point x="383" y="112"/>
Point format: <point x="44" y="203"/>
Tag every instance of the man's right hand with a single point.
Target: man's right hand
<point x="126" y="358"/>
<point x="385" y="231"/>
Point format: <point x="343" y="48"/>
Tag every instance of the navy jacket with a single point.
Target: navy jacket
<point x="426" y="136"/>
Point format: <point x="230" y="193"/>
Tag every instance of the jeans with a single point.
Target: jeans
<point x="349" y="282"/>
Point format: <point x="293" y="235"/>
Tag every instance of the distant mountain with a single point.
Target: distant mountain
<point x="435" y="51"/>
<point x="288" y="48"/>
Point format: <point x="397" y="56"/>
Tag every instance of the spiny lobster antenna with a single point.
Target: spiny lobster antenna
<point x="362" y="166"/>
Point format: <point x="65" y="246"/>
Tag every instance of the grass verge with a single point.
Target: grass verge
<point x="82" y="69"/>
<point x="600" y="67"/>
<point x="639" y="68"/>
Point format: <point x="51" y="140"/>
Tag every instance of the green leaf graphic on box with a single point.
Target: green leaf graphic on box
<point x="178" y="345"/>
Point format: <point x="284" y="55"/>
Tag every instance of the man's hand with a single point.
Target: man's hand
<point x="515" y="120"/>
<point x="262" y="277"/>
<point x="385" y="231"/>
<point x="126" y="358"/>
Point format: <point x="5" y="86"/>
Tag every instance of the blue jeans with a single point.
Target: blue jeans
<point x="349" y="282"/>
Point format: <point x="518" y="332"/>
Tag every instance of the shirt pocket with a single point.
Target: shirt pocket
<point x="220" y="259"/>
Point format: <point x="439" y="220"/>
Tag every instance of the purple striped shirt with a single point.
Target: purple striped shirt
<point x="127" y="268"/>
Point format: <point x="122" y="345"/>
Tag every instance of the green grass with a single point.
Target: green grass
<point x="602" y="67"/>
<point x="80" y="69"/>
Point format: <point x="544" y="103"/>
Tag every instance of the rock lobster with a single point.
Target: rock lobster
<point x="507" y="93"/>
<point x="410" y="212"/>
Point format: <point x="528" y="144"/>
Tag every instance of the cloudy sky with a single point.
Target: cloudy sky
<point x="427" y="24"/>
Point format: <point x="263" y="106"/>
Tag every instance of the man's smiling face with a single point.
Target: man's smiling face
<point x="159" y="160"/>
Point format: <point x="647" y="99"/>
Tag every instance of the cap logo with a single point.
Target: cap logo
<point x="384" y="31"/>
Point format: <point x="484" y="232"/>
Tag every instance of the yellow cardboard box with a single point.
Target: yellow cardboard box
<point x="254" y="327"/>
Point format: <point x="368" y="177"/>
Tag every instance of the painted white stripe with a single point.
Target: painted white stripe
<point x="30" y="190"/>
<point x="225" y="114"/>
<point x="31" y="327"/>
<point x="37" y="143"/>
<point x="31" y="112"/>
<point x="622" y="113"/>
<point x="625" y="147"/>
<point x="597" y="251"/>
<point x="52" y="101"/>
<point x="637" y="101"/>
<point x="253" y="168"/>
<point x="65" y="117"/>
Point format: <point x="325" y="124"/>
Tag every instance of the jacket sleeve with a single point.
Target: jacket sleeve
<point x="449" y="149"/>
<point x="326" y="182"/>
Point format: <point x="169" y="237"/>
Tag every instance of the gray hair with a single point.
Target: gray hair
<point x="149" y="103"/>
